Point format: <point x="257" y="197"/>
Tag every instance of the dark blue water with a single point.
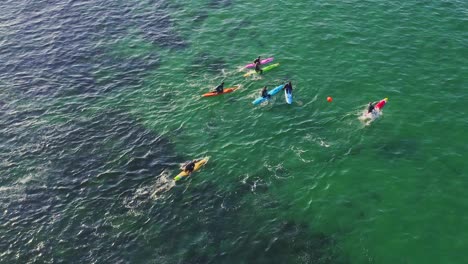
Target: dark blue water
<point x="100" y="103"/>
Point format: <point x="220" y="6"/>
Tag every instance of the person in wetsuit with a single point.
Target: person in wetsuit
<point x="265" y="92"/>
<point x="219" y="88"/>
<point x="370" y="107"/>
<point x="257" y="67"/>
<point x="190" y="166"/>
<point x="288" y="87"/>
<point x="257" y="60"/>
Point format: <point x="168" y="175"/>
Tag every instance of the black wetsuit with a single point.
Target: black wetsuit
<point x="220" y="88"/>
<point x="288" y="88"/>
<point x="257" y="68"/>
<point x="257" y="60"/>
<point x="190" y="167"/>
<point x="265" y="93"/>
<point x="371" y="107"/>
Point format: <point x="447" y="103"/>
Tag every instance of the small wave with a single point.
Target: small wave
<point x="147" y="193"/>
<point x="368" y="118"/>
<point x="318" y="140"/>
<point x="163" y="184"/>
<point x="299" y="153"/>
<point x="279" y="171"/>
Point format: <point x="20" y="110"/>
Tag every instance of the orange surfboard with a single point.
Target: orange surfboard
<point x="227" y="90"/>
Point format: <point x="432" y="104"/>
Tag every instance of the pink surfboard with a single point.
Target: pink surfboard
<point x="264" y="61"/>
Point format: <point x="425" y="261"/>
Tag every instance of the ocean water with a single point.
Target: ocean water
<point x="100" y="103"/>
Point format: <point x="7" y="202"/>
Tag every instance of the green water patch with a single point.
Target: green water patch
<point x="310" y="173"/>
<point x="206" y="224"/>
<point x="200" y="126"/>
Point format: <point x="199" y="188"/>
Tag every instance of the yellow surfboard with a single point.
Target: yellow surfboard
<point x="198" y="165"/>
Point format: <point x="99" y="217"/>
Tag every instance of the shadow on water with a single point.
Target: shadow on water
<point x="55" y="50"/>
<point x="225" y="229"/>
<point x="208" y="61"/>
<point x="220" y="3"/>
<point x="71" y="205"/>
<point x="85" y="169"/>
<point x="86" y="206"/>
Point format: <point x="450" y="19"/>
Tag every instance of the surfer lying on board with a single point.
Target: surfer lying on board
<point x="265" y="92"/>
<point x="376" y="105"/>
<point x="371" y="106"/>
<point x="189" y="167"/>
<point x="220" y="88"/>
<point x="288" y="87"/>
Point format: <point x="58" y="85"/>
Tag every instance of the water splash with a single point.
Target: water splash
<point x="299" y="153"/>
<point x="163" y="184"/>
<point x="367" y="118"/>
<point x="279" y="171"/>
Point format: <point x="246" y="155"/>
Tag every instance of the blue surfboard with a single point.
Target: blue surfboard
<point x="271" y="93"/>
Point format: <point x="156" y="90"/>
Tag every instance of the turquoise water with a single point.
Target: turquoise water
<point x="101" y="102"/>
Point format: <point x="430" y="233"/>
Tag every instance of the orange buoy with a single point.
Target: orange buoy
<point x="329" y="99"/>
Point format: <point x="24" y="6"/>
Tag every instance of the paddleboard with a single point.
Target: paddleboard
<point x="198" y="165"/>
<point x="288" y="97"/>
<point x="381" y="104"/>
<point x="225" y="91"/>
<point x="267" y="68"/>
<point x="271" y="93"/>
<point x="264" y="61"/>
